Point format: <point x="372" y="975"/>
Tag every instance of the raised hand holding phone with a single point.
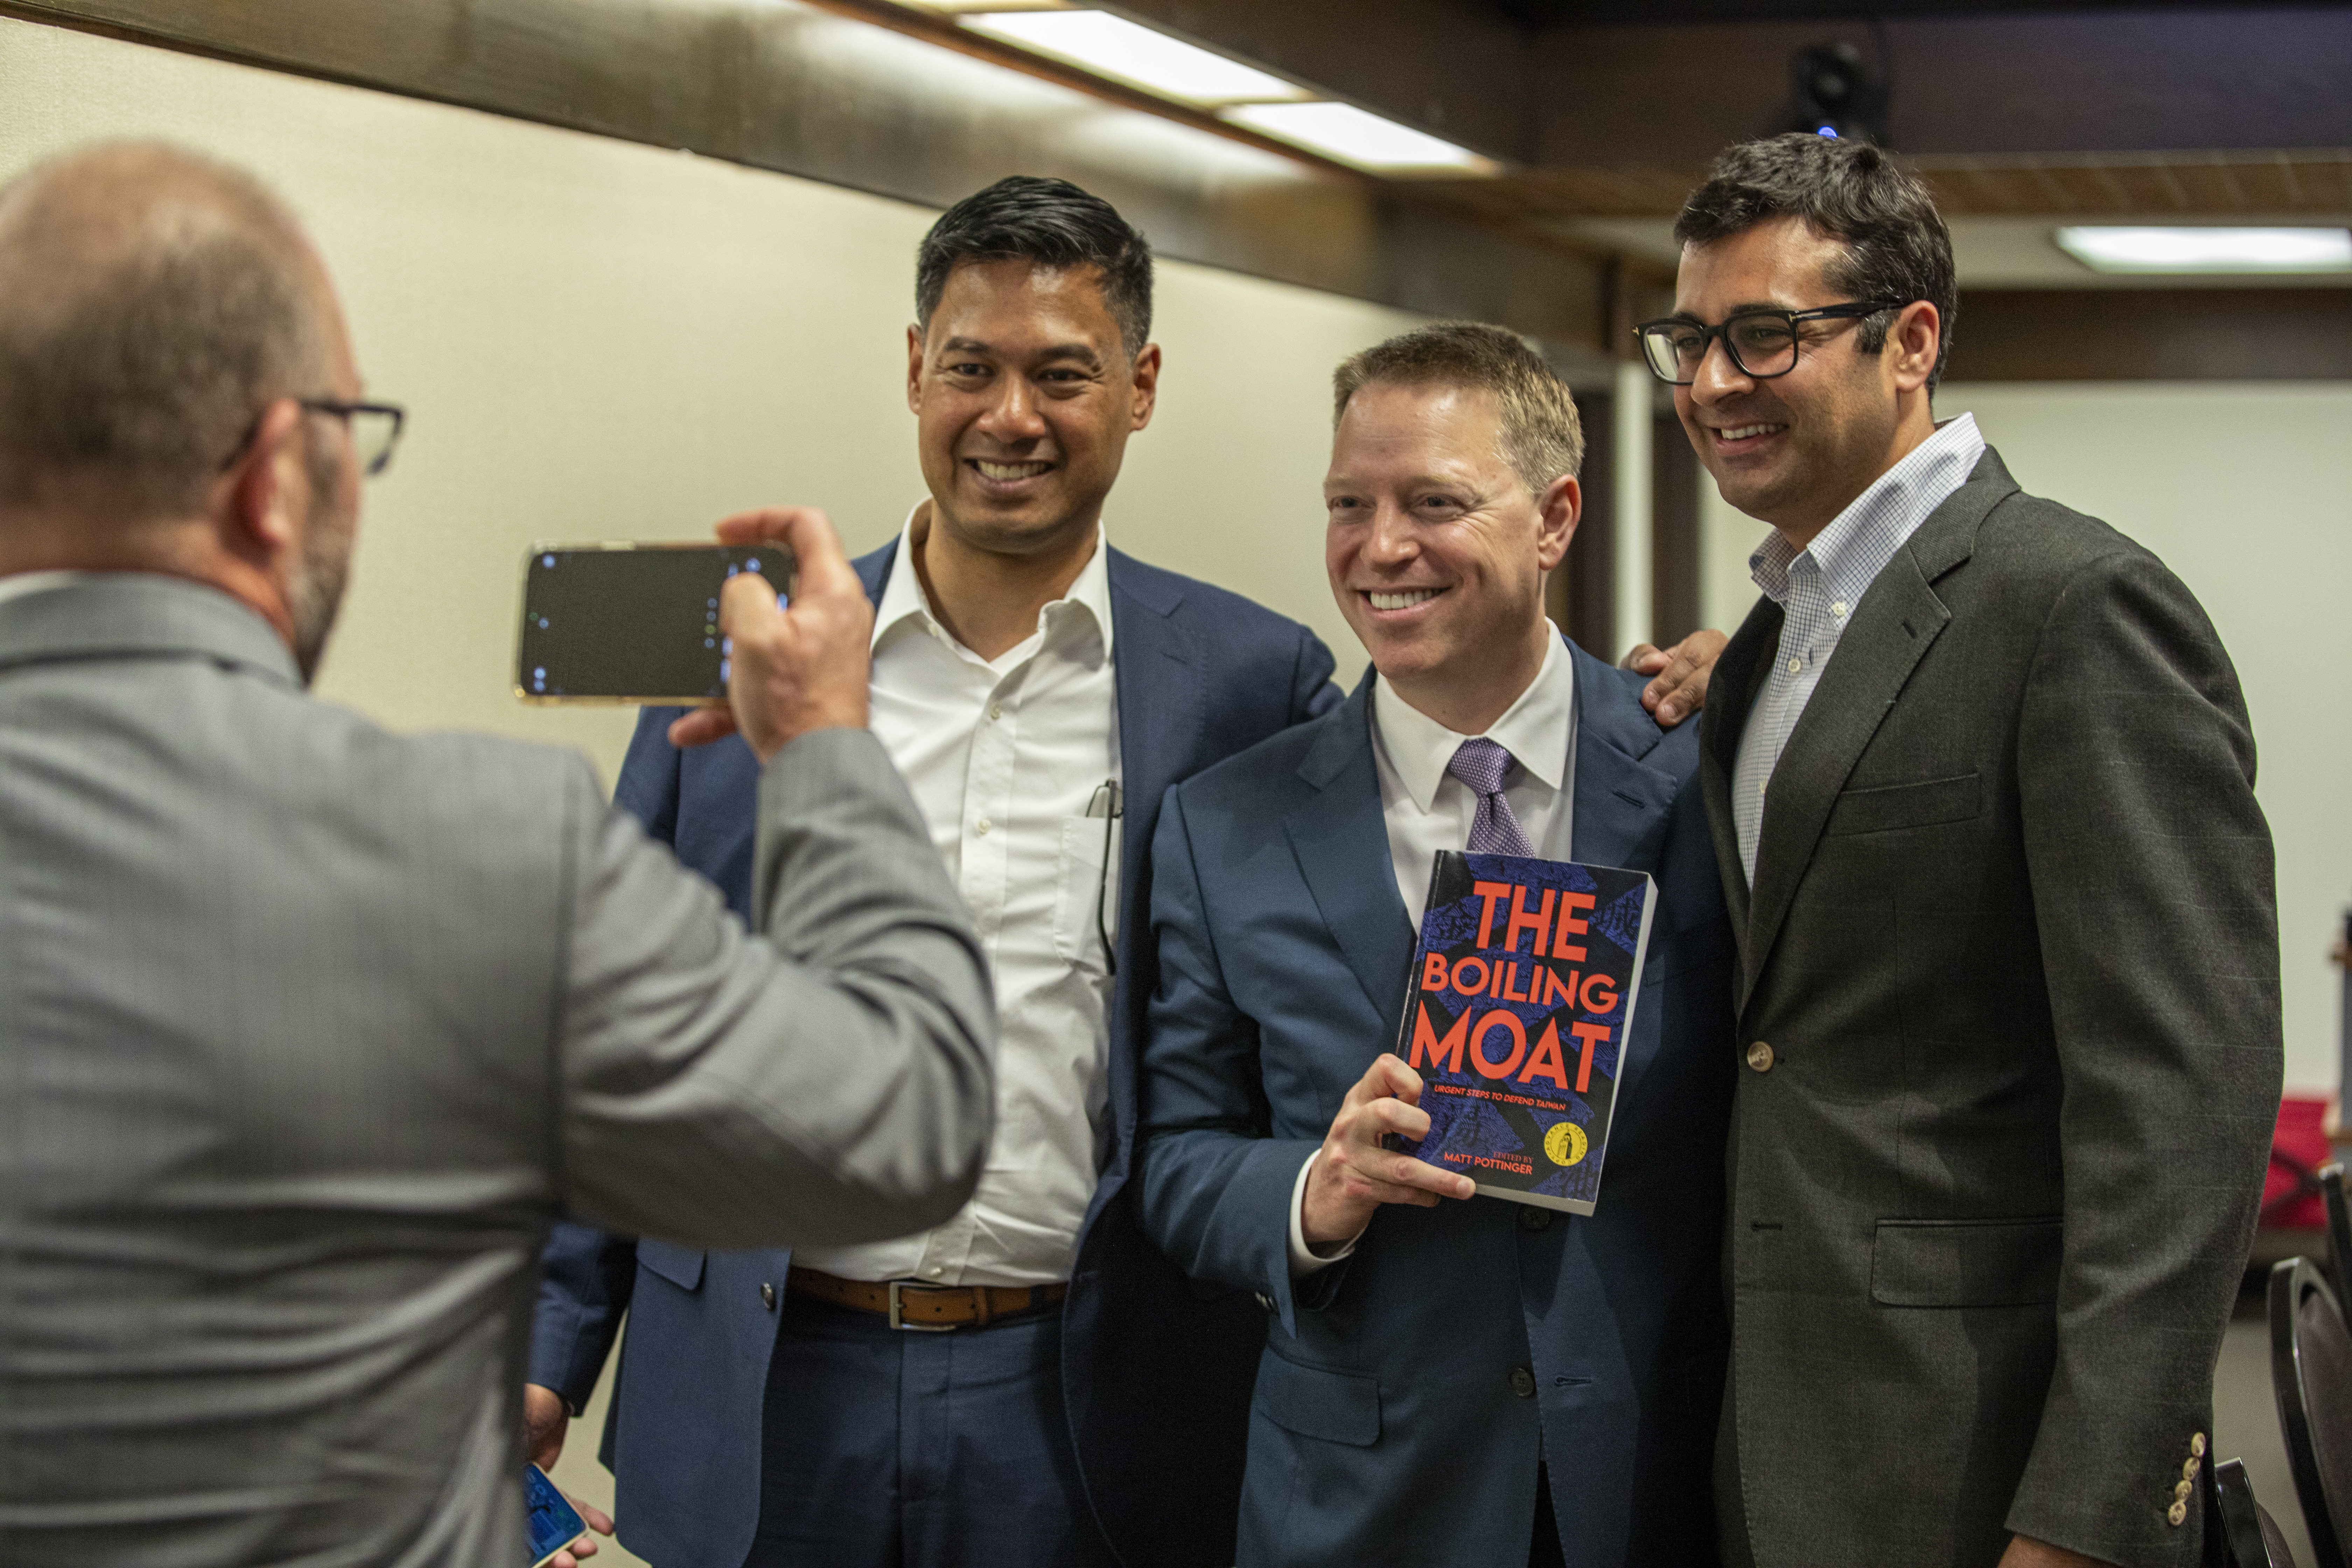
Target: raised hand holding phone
<point x="796" y="668"/>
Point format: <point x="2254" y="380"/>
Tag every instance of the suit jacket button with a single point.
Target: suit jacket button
<point x="768" y="1296"/>
<point x="1760" y="1056"/>
<point x="1523" y="1383"/>
<point x="1534" y="1218"/>
<point x="2188" y="1470"/>
<point x="2176" y="1513"/>
<point x="2180" y="1491"/>
<point x="2197" y="1445"/>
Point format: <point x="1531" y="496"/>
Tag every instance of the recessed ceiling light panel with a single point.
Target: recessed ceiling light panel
<point x="1354" y="136"/>
<point x="1124" y="51"/>
<point x="2121" y="249"/>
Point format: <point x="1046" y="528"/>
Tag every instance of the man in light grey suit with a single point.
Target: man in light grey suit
<point x="1981" y="784"/>
<point x="307" y="1030"/>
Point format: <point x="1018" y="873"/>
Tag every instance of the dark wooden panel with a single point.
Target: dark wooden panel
<point x="1673" y="532"/>
<point x="1582" y="596"/>
<point x="2153" y="334"/>
<point x="2011" y="84"/>
<point x="822" y="88"/>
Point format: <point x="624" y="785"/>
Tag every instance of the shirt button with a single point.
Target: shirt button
<point x="1838" y="608"/>
<point x="1759" y="786"/>
<point x="1795" y="666"/>
<point x="935" y="1270"/>
<point x="1534" y="1218"/>
<point x="1760" y="1056"/>
<point x="768" y="1296"/>
<point x="1523" y="1383"/>
<point x="983" y="825"/>
<point x="996" y="710"/>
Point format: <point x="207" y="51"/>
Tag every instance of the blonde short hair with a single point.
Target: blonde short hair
<point x="1542" y="439"/>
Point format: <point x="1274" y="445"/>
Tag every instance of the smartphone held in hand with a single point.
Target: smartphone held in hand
<point x="632" y="623"/>
<point x="554" y="1522"/>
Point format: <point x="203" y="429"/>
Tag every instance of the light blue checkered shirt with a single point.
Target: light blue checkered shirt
<point x="1819" y="588"/>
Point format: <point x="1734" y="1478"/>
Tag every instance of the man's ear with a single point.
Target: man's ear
<point x="1916" y="335"/>
<point x="1557" y="510"/>
<point x="1145" y="375"/>
<point x="914" y="368"/>
<point x="254" y="512"/>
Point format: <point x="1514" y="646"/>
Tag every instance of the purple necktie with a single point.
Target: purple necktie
<point x="1496" y="830"/>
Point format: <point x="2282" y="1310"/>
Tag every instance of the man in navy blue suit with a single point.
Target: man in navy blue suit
<point x="782" y="1408"/>
<point x="1449" y="1378"/>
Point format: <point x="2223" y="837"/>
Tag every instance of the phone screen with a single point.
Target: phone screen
<point x="632" y="624"/>
<point x="554" y="1522"/>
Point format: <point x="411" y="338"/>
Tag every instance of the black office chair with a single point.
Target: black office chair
<point x="2249" y="1534"/>
<point x="2339" y="1231"/>
<point x="2311" y="1373"/>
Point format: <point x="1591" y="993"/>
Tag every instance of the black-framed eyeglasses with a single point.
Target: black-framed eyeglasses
<point x="1761" y="343"/>
<point x="375" y="430"/>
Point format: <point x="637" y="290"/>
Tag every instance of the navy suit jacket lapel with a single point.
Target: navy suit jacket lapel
<point x="1621" y="802"/>
<point x="872" y="569"/>
<point x="1161" y="706"/>
<point x="1342" y="840"/>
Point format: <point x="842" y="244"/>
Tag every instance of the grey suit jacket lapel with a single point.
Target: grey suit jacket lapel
<point x="1738" y="678"/>
<point x="1341" y="840"/>
<point x="1899" y="619"/>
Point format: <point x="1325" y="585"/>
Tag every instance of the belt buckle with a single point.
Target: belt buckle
<point x="899" y="1322"/>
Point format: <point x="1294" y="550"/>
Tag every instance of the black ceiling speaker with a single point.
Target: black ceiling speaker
<point x="1833" y="94"/>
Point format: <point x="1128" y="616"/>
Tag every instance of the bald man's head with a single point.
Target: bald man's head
<point x="151" y="303"/>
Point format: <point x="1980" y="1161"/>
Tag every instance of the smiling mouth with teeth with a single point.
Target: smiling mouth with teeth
<point x="988" y="470"/>
<point x="1402" y="601"/>
<point x="1743" y="432"/>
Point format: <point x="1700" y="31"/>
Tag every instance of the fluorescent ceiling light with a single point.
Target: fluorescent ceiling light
<point x="1351" y="135"/>
<point x="1120" y="49"/>
<point x="958" y="7"/>
<point x="2209" y="249"/>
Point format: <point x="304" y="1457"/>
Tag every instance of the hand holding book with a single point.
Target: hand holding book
<point x="1355" y="1171"/>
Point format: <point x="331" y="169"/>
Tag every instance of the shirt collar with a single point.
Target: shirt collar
<point x="1535" y="729"/>
<point x="1860" y="540"/>
<point x="904" y="595"/>
<point x="24" y="584"/>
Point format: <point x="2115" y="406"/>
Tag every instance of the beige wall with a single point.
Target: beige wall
<point x="2239" y="488"/>
<point x="602" y="340"/>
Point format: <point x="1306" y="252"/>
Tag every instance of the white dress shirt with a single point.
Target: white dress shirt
<point x="1005" y="758"/>
<point x="1427" y="809"/>
<point x="1819" y="588"/>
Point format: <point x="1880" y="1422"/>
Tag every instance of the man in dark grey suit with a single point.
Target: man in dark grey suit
<point x="1981" y="784"/>
<point x="307" y="1030"/>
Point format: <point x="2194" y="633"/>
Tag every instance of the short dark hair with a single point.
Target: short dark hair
<point x="1542" y="439"/>
<point x="1054" y="224"/>
<point x="1897" y="246"/>
<point x="151" y="303"/>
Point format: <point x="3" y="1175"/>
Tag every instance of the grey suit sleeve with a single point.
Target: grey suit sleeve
<point x="2154" y="896"/>
<point x="830" y="1082"/>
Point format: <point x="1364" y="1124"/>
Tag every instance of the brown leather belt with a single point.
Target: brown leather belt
<point x="925" y="1309"/>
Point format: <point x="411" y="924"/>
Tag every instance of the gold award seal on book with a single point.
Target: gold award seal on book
<point x="1565" y="1143"/>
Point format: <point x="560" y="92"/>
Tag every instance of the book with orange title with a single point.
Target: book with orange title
<point x="1515" y="1017"/>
